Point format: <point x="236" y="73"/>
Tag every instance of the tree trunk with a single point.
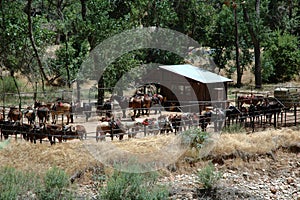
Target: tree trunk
<point x="100" y="91"/>
<point x="43" y="74"/>
<point x="256" y="44"/>
<point x="67" y="63"/>
<point x="83" y="9"/>
<point x="237" y="52"/>
<point x="12" y="74"/>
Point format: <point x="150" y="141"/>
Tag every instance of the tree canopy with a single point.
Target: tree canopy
<point x="48" y="40"/>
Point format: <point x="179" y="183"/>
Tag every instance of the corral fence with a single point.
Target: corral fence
<point x="251" y="120"/>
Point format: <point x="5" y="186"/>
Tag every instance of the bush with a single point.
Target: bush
<point x="208" y="176"/>
<point x="14" y="183"/>
<point x="133" y="186"/>
<point x="54" y="185"/>
<point x="234" y="128"/>
<point x="194" y="137"/>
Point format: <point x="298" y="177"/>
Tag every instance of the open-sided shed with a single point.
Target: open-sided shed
<point x="187" y="84"/>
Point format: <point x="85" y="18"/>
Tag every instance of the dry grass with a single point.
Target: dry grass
<point x="256" y="143"/>
<point x="74" y="155"/>
<point x="38" y="158"/>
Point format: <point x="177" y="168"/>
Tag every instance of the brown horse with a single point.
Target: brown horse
<point x="147" y="103"/>
<point x="60" y="108"/>
<point x="14" y="114"/>
<point x="29" y="113"/>
<point x="138" y="103"/>
<point x="43" y="112"/>
<point x="108" y="127"/>
<point x="249" y="100"/>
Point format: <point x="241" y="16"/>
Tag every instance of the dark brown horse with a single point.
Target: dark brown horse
<point x="43" y="112"/>
<point x="14" y="114"/>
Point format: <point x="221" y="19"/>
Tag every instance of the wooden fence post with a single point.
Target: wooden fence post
<point x="295" y="114"/>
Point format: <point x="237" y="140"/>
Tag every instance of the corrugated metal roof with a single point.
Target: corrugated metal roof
<point x="195" y="73"/>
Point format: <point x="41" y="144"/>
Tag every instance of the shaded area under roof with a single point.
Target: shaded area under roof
<point x="195" y="73"/>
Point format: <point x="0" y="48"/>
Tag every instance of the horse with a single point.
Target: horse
<point x="69" y="132"/>
<point x="176" y="121"/>
<point x="249" y="100"/>
<point x="123" y="103"/>
<point x="270" y="107"/>
<point x="130" y="126"/>
<point x="37" y="132"/>
<point x="138" y="103"/>
<point x="43" y="111"/>
<point x="157" y="101"/>
<point x="108" y="127"/>
<point x="205" y="119"/>
<point x="29" y="113"/>
<point x="60" y="108"/>
<point x="164" y="124"/>
<point x="14" y="114"/>
<point x="147" y="103"/>
<point x="232" y="113"/>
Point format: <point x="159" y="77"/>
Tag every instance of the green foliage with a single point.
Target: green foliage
<point x="79" y="26"/>
<point x="234" y="128"/>
<point x="281" y="58"/>
<point x="208" y="176"/>
<point x="7" y="85"/>
<point x="4" y="143"/>
<point x="194" y="137"/>
<point x="54" y="185"/>
<point x="14" y="183"/>
<point x="133" y="186"/>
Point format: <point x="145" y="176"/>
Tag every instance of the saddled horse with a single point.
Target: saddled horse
<point x="60" y="108"/>
<point x="249" y="100"/>
<point x="110" y="127"/>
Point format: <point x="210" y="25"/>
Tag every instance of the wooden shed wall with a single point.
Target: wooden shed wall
<point x="184" y="88"/>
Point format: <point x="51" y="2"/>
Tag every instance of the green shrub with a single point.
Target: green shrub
<point x="54" y="185"/>
<point x="14" y="184"/>
<point x="133" y="186"/>
<point x="208" y="176"/>
<point x="194" y="137"/>
<point x="234" y="128"/>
